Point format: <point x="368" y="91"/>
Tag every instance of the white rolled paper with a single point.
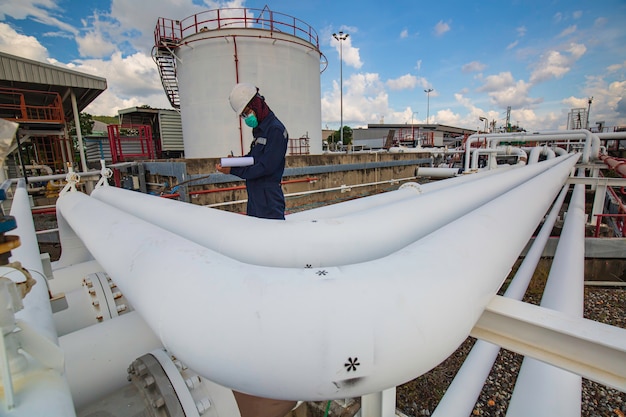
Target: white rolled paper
<point x="243" y="161"/>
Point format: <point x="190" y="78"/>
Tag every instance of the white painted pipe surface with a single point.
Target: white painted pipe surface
<point x="462" y="394"/>
<point x="542" y="389"/>
<point x="315" y="333"/>
<point x="97" y="356"/>
<point x="70" y="278"/>
<point x="591" y="145"/>
<point x="436" y="172"/>
<point x="352" y="206"/>
<point x="327" y="242"/>
<point x="38" y="389"/>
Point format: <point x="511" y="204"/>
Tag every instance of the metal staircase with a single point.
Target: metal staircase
<point x="166" y="62"/>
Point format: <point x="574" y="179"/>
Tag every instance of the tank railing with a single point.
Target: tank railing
<point x="170" y="31"/>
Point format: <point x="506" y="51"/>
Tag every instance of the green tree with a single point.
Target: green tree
<point x="335" y="137"/>
<point x="86" y="125"/>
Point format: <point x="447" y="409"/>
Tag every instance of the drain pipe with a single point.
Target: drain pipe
<point x="462" y="394"/>
<point x="543" y="389"/>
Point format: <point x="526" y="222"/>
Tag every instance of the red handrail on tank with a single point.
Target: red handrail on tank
<point x="170" y="32"/>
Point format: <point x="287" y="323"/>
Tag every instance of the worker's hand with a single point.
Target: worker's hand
<point x="223" y="170"/>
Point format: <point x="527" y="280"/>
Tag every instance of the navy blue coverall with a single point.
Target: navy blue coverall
<point x="265" y="195"/>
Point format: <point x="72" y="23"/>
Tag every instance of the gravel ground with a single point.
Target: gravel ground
<point x="420" y="396"/>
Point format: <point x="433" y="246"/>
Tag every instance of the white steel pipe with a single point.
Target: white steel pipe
<point x="97" y="356"/>
<point x="543" y="389"/>
<point x="437" y="172"/>
<point x="71" y="277"/>
<point x="327" y="242"/>
<point x="36" y="310"/>
<point x="252" y="329"/>
<point x="39" y="389"/>
<point x="352" y="206"/>
<point x="591" y="144"/>
<point x="537" y="151"/>
<point x="462" y="393"/>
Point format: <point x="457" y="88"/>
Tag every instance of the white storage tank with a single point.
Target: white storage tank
<point x="201" y="57"/>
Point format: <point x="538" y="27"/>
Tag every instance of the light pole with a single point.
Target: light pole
<point x="340" y="37"/>
<point x="427" y="91"/>
<point x="484" y="119"/>
<point x="413" y="127"/>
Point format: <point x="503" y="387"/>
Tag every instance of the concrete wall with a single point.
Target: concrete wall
<point x="303" y="173"/>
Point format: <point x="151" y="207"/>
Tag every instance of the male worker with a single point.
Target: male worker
<point x="265" y="195"/>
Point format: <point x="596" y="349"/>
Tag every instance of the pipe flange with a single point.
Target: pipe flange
<point x="416" y="186"/>
<point x="147" y="375"/>
<point x="107" y="300"/>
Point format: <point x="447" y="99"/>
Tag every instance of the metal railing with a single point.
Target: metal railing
<point x="169" y="32"/>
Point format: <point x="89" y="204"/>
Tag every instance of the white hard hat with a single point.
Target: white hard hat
<point x="241" y="95"/>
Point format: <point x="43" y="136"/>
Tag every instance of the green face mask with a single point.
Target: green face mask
<point x="251" y="120"/>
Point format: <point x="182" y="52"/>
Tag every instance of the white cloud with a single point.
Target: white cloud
<point x="521" y="31"/>
<point x="418" y="65"/>
<point x="406" y="82"/>
<point x="42" y="11"/>
<point x="504" y="91"/>
<point x="93" y="44"/>
<point x="441" y="27"/>
<point x="404" y="34"/>
<point x="473" y="66"/>
<point x="554" y="64"/>
<point x="567" y="31"/>
<point x="24" y="46"/>
<point x="350" y="54"/>
<point x="512" y="45"/>
<point x="577" y="14"/>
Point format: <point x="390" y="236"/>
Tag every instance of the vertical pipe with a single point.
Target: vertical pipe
<point x="79" y="134"/>
<point x="39" y="390"/>
<point x="543" y="389"/>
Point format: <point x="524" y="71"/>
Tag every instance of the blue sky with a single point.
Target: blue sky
<point x="542" y="58"/>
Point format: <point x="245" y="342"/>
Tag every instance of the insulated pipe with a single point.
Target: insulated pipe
<point x="543" y="389"/>
<point x="536" y="151"/>
<point x="97" y="356"/>
<point x="591" y="146"/>
<point x="316" y="358"/>
<point x="352" y="206"/>
<point x="435" y="172"/>
<point x="462" y="394"/>
<point x="36" y="310"/>
<point x="70" y="278"/>
<point x="39" y="389"/>
<point x="325" y="242"/>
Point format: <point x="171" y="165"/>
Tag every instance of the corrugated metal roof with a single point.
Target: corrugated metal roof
<point x="14" y="68"/>
<point x="22" y="73"/>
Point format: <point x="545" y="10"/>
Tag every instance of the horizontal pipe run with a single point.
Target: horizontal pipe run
<point x="395" y="227"/>
<point x="377" y="353"/>
<point x="463" y="392"/>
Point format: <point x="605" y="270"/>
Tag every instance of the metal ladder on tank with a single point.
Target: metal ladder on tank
<point x="166" y="63"/>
